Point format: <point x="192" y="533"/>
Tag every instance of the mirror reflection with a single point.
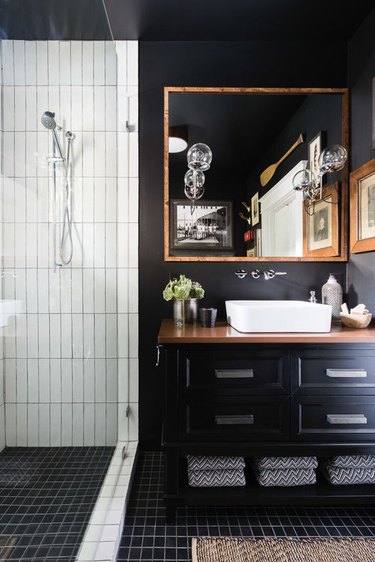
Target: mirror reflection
<point x="268" y="188"/>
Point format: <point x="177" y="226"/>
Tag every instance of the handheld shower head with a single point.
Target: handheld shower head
<point x="48" y="120"/>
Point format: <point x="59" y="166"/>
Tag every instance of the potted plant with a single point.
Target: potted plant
<point x="186" y="294"/>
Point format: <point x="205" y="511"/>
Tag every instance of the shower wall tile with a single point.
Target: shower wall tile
<point x="68" y="362"/>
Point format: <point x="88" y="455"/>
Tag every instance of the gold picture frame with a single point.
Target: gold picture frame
<point x="362" y="208"/>
<point x="321" y="224"/>
<point x="255" y="209"/>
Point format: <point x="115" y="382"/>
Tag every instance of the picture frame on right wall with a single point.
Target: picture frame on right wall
<point x="362" y="208"/>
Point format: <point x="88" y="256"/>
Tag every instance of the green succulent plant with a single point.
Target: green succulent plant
<point x="183" y="288"/>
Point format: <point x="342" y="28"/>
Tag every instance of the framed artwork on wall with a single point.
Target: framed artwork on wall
<point x="321" y="224"/>
<point x="315" y="147"/>
<point x="206" y="225"/>
<point x="255" y="209"/>
<point x="362" y="208"/>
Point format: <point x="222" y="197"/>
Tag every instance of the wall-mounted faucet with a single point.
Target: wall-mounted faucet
<point x="256" y="273"/>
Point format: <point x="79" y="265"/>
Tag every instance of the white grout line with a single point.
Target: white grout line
<point x="103" y="534"/>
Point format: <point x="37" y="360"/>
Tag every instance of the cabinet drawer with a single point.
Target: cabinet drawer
<point x="322" y="371"/>
<point x="241" y="419"/>
<point x="334" y="418"/>
<point x="256" y="371"/>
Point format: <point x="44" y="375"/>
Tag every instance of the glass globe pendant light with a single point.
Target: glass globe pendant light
<point x="194" y="184"/>
<point x="332" y="159"/>
<point x="199" y="157"/>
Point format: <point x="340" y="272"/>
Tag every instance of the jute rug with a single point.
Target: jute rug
<point x="223" y="549"/>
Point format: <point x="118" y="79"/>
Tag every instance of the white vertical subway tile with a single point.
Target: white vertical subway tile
<point x="9" y="104"/>
<point x="65" y="109"/>
<point x="19" y="108"/>
<point x="31" y="154"/>
<point x="100" y="425"/>
<point x="32" y="425"/>
<point x="89" y="380"/>
<point x="43" y="249"/>
<point x="55" y="425"/>
<point x="133" y="245"/>
<point x="88" y="113"/>
<point x="133" y="107"/>
<point x="53" y="62"/>
<point x="33" y="381"/>
<point x="10" y="424"/>
<point x="77" y="380"/>
<point x="111" y="335"/>
<point x="54" y="290"/>
<point x="88" y="245"/>
<point x="20" y="155"/>
<point x="110" y="291"/>
<point x="44" y="380"/>
<point x="31" y="291"/>
<point x="100" y="187"/>
<point x="122" y="108"/>
<point x="7" y="62"/>
<point x="133" y="379"/>
<point x="56" y="380"/>
<point x="66" y="290"/>
<point x="89" y="425"/>
<point x="43" y="291"/>
<point x="20" y="200"/>
<point x="133" y="290"/>
<point x="77" y="289"/>
<point x="30" y="52"/>
<point x="77" y="236"/>
<point x="43" y="335"/>
<point x="88" y="293"/>
<point x="99" y="288"/>
<point x="123" y="422"/>
<point x="123" y="378"/>
<point x="31" y="245"/>
<point x="65" y="63"/>
<point x="19" y="63"/>
<point x="41" y="63"/>
<point x="122" y="245"/>
<point x="77" y="111"/>
<point x="110" y="244"/>
<point x="55" y="336"/>
<point x="44" y="150"/>
<point x="66" y="425"/>
<point x="100" y="380"/>
<point x="122" y="290"/>
<point x="100" y="337"/>
<point x="122" y="200"/>
<point x="32" y="117"/>
<point x="21" y="335"/>
<point x="133" y="422"/>
<point x="132" y="59"/>
<point x="99" y="62"/>
<point x="101" y="155"/>
<point x="110" y="200"/>
<point x="10" y="380"/>
<point x="88" y="197"/>
<point x="111" y="154"/>
<point x="66" y="336"/>
<point x="88" y="336"/>
<point x="20" y="245"/>
<point x="77" y="200"/>
<point x="21" y="369"/>
<point x="111" y="380"/>
<point x="78" y="425"/>
<point x="133" y="335"/>
<point x="87" y="62"/>
<point x="21" y="410"/>
<point x="122" y="335"/>
<point x="133" y="199"/>
<point x="44" y="425"/>
<point x="110" y="63"/>
<point x="110" y="108"/>
<point x="99" y="108"/>
<point x="123" y="152"/>
<point x="88" y="154"/>
<point x="76" y="63"/>
<point x="54" y="104"/>
<point x="8" y="154"/>
<point x="99" y="245"/>
<point x="111" y="429"/>
<point x="32" y="336"/>
<point x="121" y="63"/>
<point x="66" y="381"/>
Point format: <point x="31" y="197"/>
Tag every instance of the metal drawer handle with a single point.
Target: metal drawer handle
<point x="234" y="373"/>
<point x="346" y="418"/>
<point x="235" y="420"/>
<point x="347" y="373"/>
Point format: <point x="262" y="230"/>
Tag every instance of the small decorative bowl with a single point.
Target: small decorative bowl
<point x="356" y="320"/>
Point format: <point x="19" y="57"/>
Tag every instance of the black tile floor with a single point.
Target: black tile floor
<point x="146" y="537"/>
<point x="46" y="499"/>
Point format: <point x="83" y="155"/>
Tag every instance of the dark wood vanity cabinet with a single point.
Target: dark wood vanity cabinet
<point x="274" y="399"/>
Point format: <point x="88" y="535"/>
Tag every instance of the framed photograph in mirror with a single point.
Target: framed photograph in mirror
<point x="362" y="208"/>
<point x="321" y="224"/>
<point x="255" y="209"/>
<point x="204" y="226"/>
<point x="316" y="145"/>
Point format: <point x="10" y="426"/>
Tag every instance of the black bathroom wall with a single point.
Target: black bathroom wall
<point x="361" y="71"/>
<point x="267" y="64"/>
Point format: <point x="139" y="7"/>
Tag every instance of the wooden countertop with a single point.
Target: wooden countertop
<point x="223" y="333"/>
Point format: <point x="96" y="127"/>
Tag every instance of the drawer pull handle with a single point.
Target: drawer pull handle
<point x="235" y="420"/>
<point x="347" y="373"/>
<point x="234" y="373"/>
<point x="335" y="419"/>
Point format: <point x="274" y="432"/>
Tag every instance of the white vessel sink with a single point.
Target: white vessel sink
<point x="9" y="308"/>
<point x="278" y="316"/>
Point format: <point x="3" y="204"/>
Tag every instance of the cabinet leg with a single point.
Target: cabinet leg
<point x="170" y="515"/>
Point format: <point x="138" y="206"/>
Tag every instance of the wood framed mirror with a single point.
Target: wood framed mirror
<point x="249" y="130"/>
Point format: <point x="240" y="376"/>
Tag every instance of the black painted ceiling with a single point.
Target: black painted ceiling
<point x="183" y="20"/>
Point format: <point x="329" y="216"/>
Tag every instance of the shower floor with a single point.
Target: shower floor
<point x="47" y="495"/>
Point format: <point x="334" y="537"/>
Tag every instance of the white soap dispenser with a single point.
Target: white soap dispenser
<point x="332" y="294"/>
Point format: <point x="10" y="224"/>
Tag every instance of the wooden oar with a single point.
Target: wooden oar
<point x="269" y="172"/>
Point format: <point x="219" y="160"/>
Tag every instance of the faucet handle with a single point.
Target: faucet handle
<point x="255" y="274"/>
<point x="270" y="273"/>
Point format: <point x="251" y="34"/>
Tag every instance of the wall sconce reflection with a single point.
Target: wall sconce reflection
<point x="199" y="158"/>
